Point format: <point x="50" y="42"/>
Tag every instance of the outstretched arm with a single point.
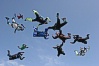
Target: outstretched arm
<point x="15" y="30"/>
<point x="23" y="25"/>
<point x="61" y="44"/>
<point x="55" y="47"/>
<point x="73" y="42"/>
<point x="7" y="19"/>
<point x="20" y="52"/>
<point x="19" y="47"/>
<point x="60" y="32"/>
<point x="54" y="37"/>
<point x="40" y="24"/>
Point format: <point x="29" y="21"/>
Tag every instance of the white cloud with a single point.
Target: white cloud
<point x="10" y="63"/>
<point x="2" y="64"/>
<point x="14" y="63"/>
<point x="51" y="61"/>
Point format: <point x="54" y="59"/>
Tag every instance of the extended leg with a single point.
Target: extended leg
<point x="58" y="20"/>
<point x="29" y="19"/>
<point x="8" y="21"/>
<point x="63" y="53"/>
<point x="20" y="55"/>
<point x="47" y="18"/>
<point x="8" y="53"/>
<point x="58" y="54"/>
<point x="64" y="22"/>
<point x="21" y="58"/>
<point x="87" y="36"/>
<point x="77" y="53"/>
<point x="13" y="20"/>
<point x="56" y="24"/>
<point x="52" y="27"/>
<point x="15" y="30"/>
<point x="84" y="40"/>
<point x="36" y="13"/>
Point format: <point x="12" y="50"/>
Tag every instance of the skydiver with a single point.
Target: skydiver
<point x="83" y="51"/>
<point x="15" y="25"/>
<point x="80" y="39"/>
<point x="39" y="19"/>
<point x="62" y="36"/>
<point x="15" y="56"/>
<point x="36" y="30"/>
<point x="58" y="25"/>
<point x="59" y="49"/>
<point x="44" y="33"/>
<point x="23" y="47"/>
<point x="20" y="16"/>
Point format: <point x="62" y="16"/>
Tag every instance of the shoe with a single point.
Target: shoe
<point x="88" y="34"/>
<point x="7" y="18"/>
<point x="69" y="33"/>
<point x="13" y="18"/>
<point x="8" y="50"/>
<point x="25" y="20"/>
<point x="23" y="57"/>
<point x="35" y="11"/>
<point x="7" y="22"/>
<point x="57" y="15"/>
<point x="63" y="19"/>
<point x="22" y="16"/>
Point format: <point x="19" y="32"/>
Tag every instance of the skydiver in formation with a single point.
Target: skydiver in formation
<point x="80" y="39"/>
<point x="59" y="49"/>
<point x="62" y="36"/>
<point x="15" y="56"/>
<point x="39" y="19"/>
<point x="15" y="25"/>
<point x="20" y="16"/>
<point x="58" y="25"/>
<point x="23" y="47"/>
<point x="41" y="33"/>
<point x="82" y="51"/>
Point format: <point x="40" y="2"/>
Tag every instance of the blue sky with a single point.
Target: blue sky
<point x="82" y="17"/>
